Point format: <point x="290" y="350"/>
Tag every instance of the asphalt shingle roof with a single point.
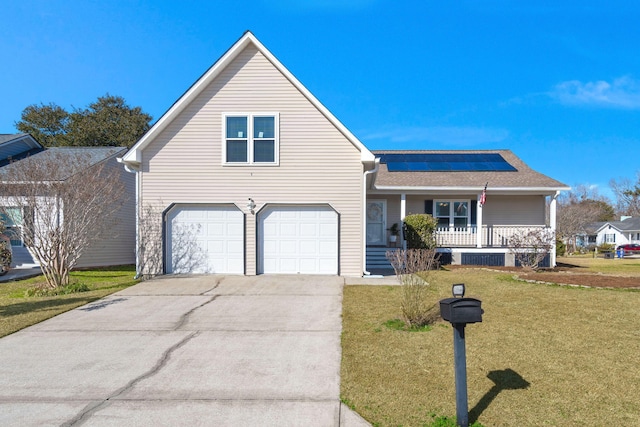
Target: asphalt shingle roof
<point x="88" y="156"/>
<point x="523" y="177"/>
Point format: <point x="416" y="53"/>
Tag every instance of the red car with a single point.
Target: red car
<point x="630" y="248"/>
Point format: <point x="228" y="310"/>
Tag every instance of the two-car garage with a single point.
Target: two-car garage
<point x="290" y="239"/>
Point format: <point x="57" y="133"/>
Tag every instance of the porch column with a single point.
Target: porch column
<point x="403" y="213"/>
<point x="479" y="223"/>
<point x="552" y="226"/>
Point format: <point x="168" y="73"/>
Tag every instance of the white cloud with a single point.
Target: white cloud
<point x="449" y="135"/>
<point x="623" y="92"/>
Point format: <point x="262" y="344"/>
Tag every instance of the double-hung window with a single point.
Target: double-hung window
<point x="452" y="214"/>
<point x="250" y="139"/>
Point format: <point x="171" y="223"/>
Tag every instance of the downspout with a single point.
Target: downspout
<point x="364" y="215"/>
<point x="130" y="169"/>
<point x="553" y="226"/>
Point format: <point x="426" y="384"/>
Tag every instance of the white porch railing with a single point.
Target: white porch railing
<point x="492" y="235"/>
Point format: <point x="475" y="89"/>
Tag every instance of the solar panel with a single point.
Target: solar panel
<point x="446" y="162"/>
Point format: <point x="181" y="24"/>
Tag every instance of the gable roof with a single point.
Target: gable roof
<point x="17" y="146"/>
<point x="89" y="156"/>
<point x="628" y="225"/>
<point x="470" y="178"/>
<point x="133" y="156"/>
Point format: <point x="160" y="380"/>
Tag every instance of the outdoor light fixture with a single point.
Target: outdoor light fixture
<point x="251" y="205"/>
<point x="458" y="290"/>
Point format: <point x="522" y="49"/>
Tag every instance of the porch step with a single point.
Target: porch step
<point x="377" y="259"/>
<point x="21" y="258"/>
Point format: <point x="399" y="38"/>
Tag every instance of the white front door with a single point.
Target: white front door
<point x="376" y="222"/>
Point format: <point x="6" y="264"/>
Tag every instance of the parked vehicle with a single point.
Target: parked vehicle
<point x="630" y="248"/>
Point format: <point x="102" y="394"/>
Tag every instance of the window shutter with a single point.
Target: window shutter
<point x="428" y="207"/>
<point x="474" y="212"/>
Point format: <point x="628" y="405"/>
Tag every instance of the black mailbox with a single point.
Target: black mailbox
<point x="461" y="310"/>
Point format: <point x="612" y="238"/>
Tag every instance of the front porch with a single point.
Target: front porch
<point x="462" y="246"/>
<point x="490" y="236"/>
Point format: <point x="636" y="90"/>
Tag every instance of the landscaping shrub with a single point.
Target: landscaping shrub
<point x="419" y="231"/>
<point x="561" y="248"/>
<point x="5" y="257"/>
<point x="71" y="288"/>
<point x="530" y="247"/>
<point x="417" y="309"/>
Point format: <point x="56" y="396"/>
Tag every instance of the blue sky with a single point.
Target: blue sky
<point x="556" y="82"/>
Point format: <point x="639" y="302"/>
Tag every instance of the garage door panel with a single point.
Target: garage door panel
<point x="308" y="230"/>
<point x="205" y="239"/>
<point x="298" y="239"/>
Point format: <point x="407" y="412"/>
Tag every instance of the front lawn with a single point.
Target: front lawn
<point x="544" y="355"/>
<point x="18" y="311"/>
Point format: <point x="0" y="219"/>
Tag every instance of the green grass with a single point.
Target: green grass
<point x="543" y="355"/>
<point x="17" y="311"/>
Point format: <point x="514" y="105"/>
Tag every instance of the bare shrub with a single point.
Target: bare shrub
<point x="188" y="255"/>
<point x="531" y="247"/>
<point x="149" y="256"/>
<point x="417" y="309"/>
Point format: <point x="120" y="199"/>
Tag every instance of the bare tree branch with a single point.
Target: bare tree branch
<point x="67" y="203"/>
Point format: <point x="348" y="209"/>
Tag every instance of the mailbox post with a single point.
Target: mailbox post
<point x="460" y="311"/>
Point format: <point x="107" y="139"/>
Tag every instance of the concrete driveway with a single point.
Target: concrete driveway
<point x="192" y="351"/>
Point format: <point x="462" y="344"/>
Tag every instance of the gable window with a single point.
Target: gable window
<point x="452" y="213"/>
<point x="251" y="139"/>
<point x="609" y="238"/>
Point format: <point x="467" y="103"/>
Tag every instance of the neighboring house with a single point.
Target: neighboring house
<point x="248" y="173"/>
<point x="615" y="233"/>
<point x="118" y="249"/>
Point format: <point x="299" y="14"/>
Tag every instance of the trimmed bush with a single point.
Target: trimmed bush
<point x="419" y="231"/>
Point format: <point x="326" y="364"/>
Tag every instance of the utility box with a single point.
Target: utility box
<point x="461" y="310"/>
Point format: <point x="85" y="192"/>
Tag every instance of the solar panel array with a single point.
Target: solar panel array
<point x="446" y="162"/>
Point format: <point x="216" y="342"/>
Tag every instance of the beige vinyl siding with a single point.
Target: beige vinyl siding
<point x="514" y="210"/>
<point x="317" y="164"/>
<point x="118" y="247"/>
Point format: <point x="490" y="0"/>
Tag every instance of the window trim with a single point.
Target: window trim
<point x="250" y="139"/>
<point x="452" y="215"/>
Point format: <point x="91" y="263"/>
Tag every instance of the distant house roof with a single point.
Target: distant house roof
<point x="627" y="224"/>
<point x="88" y="156"/>
<point x="466" y="170"/>
<point x="17" y="146"/>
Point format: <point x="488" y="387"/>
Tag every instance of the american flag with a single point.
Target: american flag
<point x="483" y="196"/>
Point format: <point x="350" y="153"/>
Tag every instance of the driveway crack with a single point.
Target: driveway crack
<point x="218" y="281"/>
<point x="93" y="407"/>
<point x="183" y="319"/>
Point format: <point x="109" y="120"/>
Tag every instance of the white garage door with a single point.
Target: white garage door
<point x="205" y="239"/>
<point x="298" y="239"/>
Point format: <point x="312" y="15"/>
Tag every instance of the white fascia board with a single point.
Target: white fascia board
<point x="490" y="190"/>
<point x="608" y="225"/>
<point x="365" y="154"/>
<point x="134" y="154"/>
